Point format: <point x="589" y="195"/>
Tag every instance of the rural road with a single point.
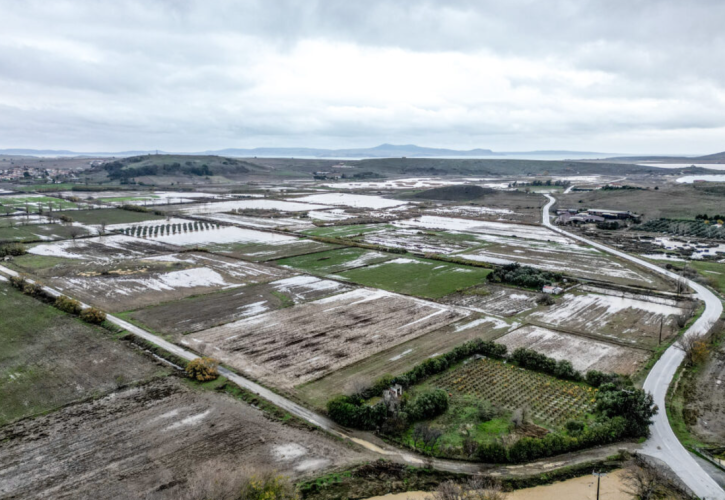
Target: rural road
<point x="361" y="438"/>
<point x="663" y="444"/>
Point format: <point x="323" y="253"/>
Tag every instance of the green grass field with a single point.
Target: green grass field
<point x="421" y="277"/>
<point x="49" y="358"/>
<point x="714" y="271"/>
<point x="35" y="202"/>
<point x="36" y="232"/>
<point x="335" y="261"/>
<point x="128" y="198"/>
<point x="347" y="231"/>
<point x="110" y="216"/>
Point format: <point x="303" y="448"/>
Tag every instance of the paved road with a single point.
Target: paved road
<point x="663" y="443"/>
<point x="364" y="439"/>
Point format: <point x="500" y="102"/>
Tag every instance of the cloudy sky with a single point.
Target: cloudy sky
<point x="631" y="76"/>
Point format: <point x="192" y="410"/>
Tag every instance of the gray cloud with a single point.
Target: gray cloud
<point x="620" y="75"/>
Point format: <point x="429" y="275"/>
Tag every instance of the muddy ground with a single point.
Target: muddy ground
<point x="103" y="248"/>
<point x="584" y="353"/>
<point x="131" y="284"/>
<point x="294" y="345"/>
<point x="144" y="442"/>
<point x="491" y="299"/>
<point x="206" y="311"/>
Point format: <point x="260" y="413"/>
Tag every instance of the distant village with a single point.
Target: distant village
<point x="593" y="216"/>
<point x="47" y="175"/>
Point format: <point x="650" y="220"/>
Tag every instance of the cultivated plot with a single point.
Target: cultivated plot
<point x="19" y="229"/>
<point x="103" y="248"/>
<point x="49" y="359"/>
<point x="634" y="319"/>
<point x="498" y="300"/>
<point x="235" y="241"/>
<point x="110" y="216"/>
<point x="335" y="261"/>
<point x="402" y="357"/>
<point x="134" y="441"/>
<point x="133" y="284"/>
<point x="295" y="345"/>
<point x="230" y="206"/>
<point x="414" y="276"/>
<point x="205" y="311"/>
<point x="583" y="353"/>
<point x="291" y="223"/>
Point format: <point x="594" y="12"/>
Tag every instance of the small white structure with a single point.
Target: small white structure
<point x="552" y="290"/>
<point x="392" y="396"/>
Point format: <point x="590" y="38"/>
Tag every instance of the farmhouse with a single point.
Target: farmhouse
<point x="552" y="290"/>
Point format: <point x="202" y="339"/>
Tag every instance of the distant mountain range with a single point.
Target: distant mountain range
<point x="382" y="151"/>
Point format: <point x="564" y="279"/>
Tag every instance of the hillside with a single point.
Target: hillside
<point x="174" y="165"/>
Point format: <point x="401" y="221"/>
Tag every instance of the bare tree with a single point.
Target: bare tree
<point x="644" y="480"/>
<point x="470" y="446"/>
<point x="75" y="232"/>
<point x="102" y="228"/>
<point x="430" y="436"/>
<point x="477" y="488"/>
<point x="357" y="386"/>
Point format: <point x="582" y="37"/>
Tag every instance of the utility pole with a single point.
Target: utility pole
<point x="662" y="322"/>
<point x="599" y="478"/>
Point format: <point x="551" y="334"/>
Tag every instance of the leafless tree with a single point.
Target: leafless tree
<point x="430" y="436"/>
<point x="645" y="481"/>
<point x="478" y="488"/>
<point x="469" y="447"/>
<point x="102" y="228"/>
<point x="357" y="386"/>
<point x="75" y="232"/>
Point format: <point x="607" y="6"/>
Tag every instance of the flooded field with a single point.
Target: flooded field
<point x="584" y="353"/>
<point x="295" y="345"/>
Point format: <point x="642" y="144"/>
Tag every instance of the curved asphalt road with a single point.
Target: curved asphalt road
<point x="663" y="444"/>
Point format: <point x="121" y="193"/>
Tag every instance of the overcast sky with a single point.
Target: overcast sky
<point x="631" y="76"/>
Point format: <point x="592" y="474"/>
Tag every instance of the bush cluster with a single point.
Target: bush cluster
<point x="93" y="316"/>
<point x="203" y="369"/>
<point x="532" y="360"/>
<point x="523" y="276"/>
<point x="14" y="249"/>
<point x="66" y="304"/>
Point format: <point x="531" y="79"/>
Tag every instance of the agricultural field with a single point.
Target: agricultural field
<point x="291" y="223"/>
<point x="335" y="261"/>
<point x="420" y="277"/>
<point x="402" y="357"/>
<point x="131" y="284"/>
<point x="550" y="402"/>
<point x="16" y="229"/>
<point x="213" y="309"/>
<point x="510" y="206"/>
<point x="231" y="206"/>
<point x="33" y="203"/>
<point x="230" y="240"/>
<point x="295" y="345"/>
<point x="492" y="299"/>
<point x="103" y="248"/>
<point x="109" y="216"/>
<point x="634" y="319"/>
<point x="50" y="359"/>
<point x="583" y="353"/>
<point x="147" y="441"/>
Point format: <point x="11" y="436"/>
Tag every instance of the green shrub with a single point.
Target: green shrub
<point x="13" y="249"/>
<point x="93" y="315"/>
<point x="427" y="405"/>
<point x="203" y="369"/>
<point x="66" y="304"/>
<point x="352" y="412"/>
<point x="524" y="276"/>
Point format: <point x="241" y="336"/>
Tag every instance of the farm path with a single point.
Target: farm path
<point x="663" y="443"/>
<point x="367" y="440"/>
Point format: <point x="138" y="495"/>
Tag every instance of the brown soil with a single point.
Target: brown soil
<point x="298" y="344"/>
<point x="145" y="442"/>
<point x="705" y="401"/>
